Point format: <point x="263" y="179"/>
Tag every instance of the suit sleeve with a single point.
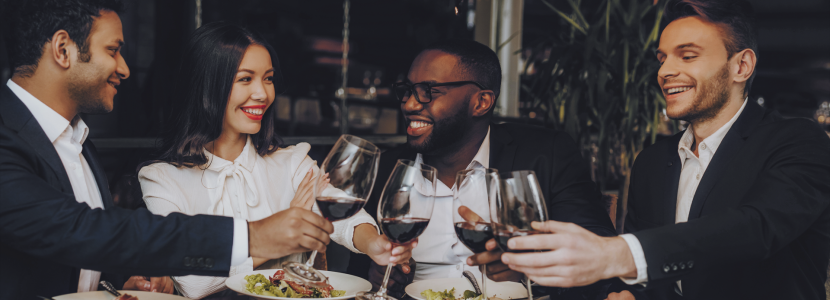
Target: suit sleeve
<point x="574" y="196"/>
<point x="784" y="201"/>
<point x="37" y="219"/>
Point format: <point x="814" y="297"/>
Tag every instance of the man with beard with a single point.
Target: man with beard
<point x="735" y="207"/>
<point x="59" y="228"/>
<point x="448" y="99"/>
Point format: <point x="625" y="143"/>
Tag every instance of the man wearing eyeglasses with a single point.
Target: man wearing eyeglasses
<point x="448" y="99"/>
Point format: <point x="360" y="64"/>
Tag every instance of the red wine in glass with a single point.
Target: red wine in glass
<point x="403" y="230"/>
<point x="339" y="208"/>
<point x="474" y="236"/>
<point x="503" y="236"/>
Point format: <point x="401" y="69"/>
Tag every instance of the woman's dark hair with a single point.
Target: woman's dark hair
<point x="33" y="23"/>
<point x="205" y="79"/>
<point x="735" y="17"/>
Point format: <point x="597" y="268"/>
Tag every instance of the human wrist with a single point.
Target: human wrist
<point x="622" y="263"/>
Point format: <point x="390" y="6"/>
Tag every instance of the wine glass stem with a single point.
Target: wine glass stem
<point x="484" y="280"/>
<point x="310" y="261"/>
<point x="382" y="290"/>
<point x="529" y="291"/>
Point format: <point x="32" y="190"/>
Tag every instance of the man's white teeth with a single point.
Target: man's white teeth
<point x="418" y="124"/>
<point x="678" y="90"/>
<point x="253" y="111"/>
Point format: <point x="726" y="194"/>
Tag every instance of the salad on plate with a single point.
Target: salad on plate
<point x="279" y="286"/>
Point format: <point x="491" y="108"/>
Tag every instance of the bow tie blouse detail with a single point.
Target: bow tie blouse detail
<point x="233" y="188"/>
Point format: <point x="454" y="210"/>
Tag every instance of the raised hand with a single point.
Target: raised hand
<point x="574" y="256"/>
<point x="290" y="231"/>
<point x="304" y="197"/>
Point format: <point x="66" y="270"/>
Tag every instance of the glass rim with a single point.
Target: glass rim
<point x="411" y="163"/>
<point x="359" y="142"/>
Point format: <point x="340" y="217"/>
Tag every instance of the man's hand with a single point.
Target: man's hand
<point x="154" y="284"/>
<point x="380" y="249"/>
<point x="496" y="270"/>
<point x="624" y="295"/>
<point x="293" y="230"/>
<point x="577" y="257"/>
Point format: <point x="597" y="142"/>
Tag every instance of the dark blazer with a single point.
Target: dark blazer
<point x="46" y="236"/>
<point x="563" y="174"/>
<point x="759" y="226"/>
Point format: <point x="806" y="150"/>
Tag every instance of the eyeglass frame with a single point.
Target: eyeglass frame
<point x="429" y="88"/>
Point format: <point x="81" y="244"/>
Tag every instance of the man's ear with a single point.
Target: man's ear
<point x="745" y="63"/>
<point x="61" y="48"/>
<point x="483" y="102"/>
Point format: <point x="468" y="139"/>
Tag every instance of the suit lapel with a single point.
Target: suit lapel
<point x="672" y="177"/>
<point x="502" y="151"/>
<point x="728" y="149"/>
<point x="17" y="116"/>
<point x="91" y="156"/>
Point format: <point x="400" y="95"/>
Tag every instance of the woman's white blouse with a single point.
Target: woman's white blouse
<point x="251" y="187"/>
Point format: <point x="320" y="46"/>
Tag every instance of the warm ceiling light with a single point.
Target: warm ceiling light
<point x="456" y="10"/>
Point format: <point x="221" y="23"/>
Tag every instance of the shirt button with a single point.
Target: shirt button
<point x="458" y="267"/>
<point x="703" y="146"/>
<point x="697" y="176"/>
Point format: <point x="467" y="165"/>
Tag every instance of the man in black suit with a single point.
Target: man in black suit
<point x="448" y="99"/>
<point x="58" y="226"/>
<point x="735" y="207"/>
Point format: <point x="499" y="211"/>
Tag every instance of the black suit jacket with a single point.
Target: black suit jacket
<point x="563" y="174"/>
<point x="759" y="226"/>
<point x="46" y="236"/>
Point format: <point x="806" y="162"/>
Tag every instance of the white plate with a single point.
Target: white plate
<point x="504" y="290"/>
<point x="102" y="295"/>
<point x="344" y="282"/>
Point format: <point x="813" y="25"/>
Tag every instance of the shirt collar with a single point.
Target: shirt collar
<point x="246" y="159"/>
<point x="52" y="122"/>
<point x="712" y="142"/>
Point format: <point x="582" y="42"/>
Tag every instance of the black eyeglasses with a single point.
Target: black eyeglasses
<point x="423" y="90"/>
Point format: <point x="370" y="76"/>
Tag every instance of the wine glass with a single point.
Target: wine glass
<point x="519" y="203"/>
<point x="474" y="189"/>
<point x="404" y="210"/>
<point x="351" y="165"/>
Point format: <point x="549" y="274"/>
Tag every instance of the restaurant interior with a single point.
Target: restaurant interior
<point x="320" y="99"/>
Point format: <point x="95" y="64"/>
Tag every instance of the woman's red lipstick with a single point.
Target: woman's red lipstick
<point x="253" y="116"/>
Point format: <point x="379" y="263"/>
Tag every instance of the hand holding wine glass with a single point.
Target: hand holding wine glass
<point x="518" y="205"/>
<point x="351" y="166"/>
<point x="405" y="209"/>
<point x="471" y="200"/>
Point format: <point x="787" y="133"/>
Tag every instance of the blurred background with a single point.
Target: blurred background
<point x="551" y="51"/>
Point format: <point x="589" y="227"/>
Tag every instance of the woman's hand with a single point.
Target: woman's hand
<point x="383" y="252"/>
<point x="154" y="284"/>
<point x="304" y="197"/>
<point x="380" y="249"/>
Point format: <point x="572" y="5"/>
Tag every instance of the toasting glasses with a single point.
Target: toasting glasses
<point x="404" y="210"/>
<point x="474" y="189"/>
<point x="519" y="203"/>
<point x="352" y="166"/>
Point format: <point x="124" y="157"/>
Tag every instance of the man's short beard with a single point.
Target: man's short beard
<point x="85" y="89"/>
<point x="712" y="96"/>
<point x="446" y="133"/>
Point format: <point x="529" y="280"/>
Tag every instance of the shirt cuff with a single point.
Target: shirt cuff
<point x="239" y="252"/>
<point x="639" y="260"/>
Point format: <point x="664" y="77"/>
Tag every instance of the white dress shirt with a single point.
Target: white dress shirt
<point x="692" y="170"/>
<point x="249" y="188"/>
<point x="439" y="253"/>
<point x="68" y="138"/>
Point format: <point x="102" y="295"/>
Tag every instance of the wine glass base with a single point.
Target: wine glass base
<point x="305" y="274"/>
<point x="373" y="296"/>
